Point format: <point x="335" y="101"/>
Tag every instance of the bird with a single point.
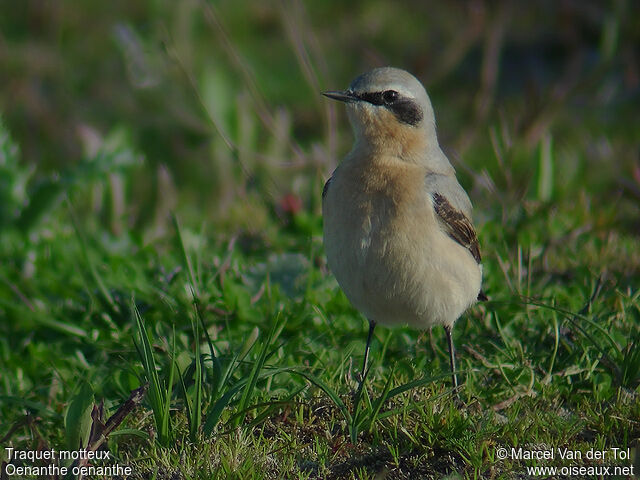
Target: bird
<point x="397" y="224"/>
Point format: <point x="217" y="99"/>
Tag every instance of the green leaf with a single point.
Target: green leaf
<point x="77" y="419"/>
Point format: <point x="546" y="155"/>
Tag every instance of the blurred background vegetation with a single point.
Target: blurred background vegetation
<point x="114" y="115"/>
<point x="218" y="106"/>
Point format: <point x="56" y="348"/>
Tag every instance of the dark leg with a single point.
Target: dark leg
<point x="452" y="358"/>
<point x="356" y="416"/>
<point x="365" y="370"/>
<point x="372" y="326"/>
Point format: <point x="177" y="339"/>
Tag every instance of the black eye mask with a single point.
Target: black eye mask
<point x="405" y="109"/>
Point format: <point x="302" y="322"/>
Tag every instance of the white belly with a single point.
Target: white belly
<point x="395" y="265"/>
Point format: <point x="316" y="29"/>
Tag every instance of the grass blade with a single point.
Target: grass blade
<point x="196" y="412"/>
<point x="77" y="420"/>
<point x="185" y="256"/>
<point x="335" y="398"/>
<point x="258" y="366"/>
<point x="215" y="411"/>
<point x="90" y="264"/>
<point x="377" y="405"/>
<point x="159" y="398"/>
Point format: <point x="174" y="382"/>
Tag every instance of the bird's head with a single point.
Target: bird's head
<point x="390" y="111"/>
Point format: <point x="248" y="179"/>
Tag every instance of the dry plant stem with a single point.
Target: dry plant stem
<point x="99" y="431"/>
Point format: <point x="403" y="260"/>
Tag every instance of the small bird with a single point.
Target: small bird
<point x="397" y="224"/>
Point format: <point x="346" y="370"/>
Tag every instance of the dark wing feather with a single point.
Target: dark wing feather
<point x="326" y="187"/>
<point x="457" y="225"/>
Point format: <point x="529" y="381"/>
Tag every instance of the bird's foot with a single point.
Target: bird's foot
<point x="457" y="399"/>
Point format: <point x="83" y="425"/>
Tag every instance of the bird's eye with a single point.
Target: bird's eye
<point x="389" y="96"/>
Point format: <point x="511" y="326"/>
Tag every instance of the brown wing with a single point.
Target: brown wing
<point x="457" y="225"/>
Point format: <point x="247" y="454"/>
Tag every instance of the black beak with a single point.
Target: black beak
<point x="344" y="96"/>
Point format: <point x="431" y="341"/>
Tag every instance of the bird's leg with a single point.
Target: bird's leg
<point x="452" y="358"/>
<point x="363" y="373"/>
<point x="365" y="370"/>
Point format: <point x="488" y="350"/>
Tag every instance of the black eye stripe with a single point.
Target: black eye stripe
<point x="372" y="97"/>
<point x="390" y="96"/>
<point x="406" y="110"/>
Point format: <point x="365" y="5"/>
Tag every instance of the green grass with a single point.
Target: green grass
<point x="176" y="241"/>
